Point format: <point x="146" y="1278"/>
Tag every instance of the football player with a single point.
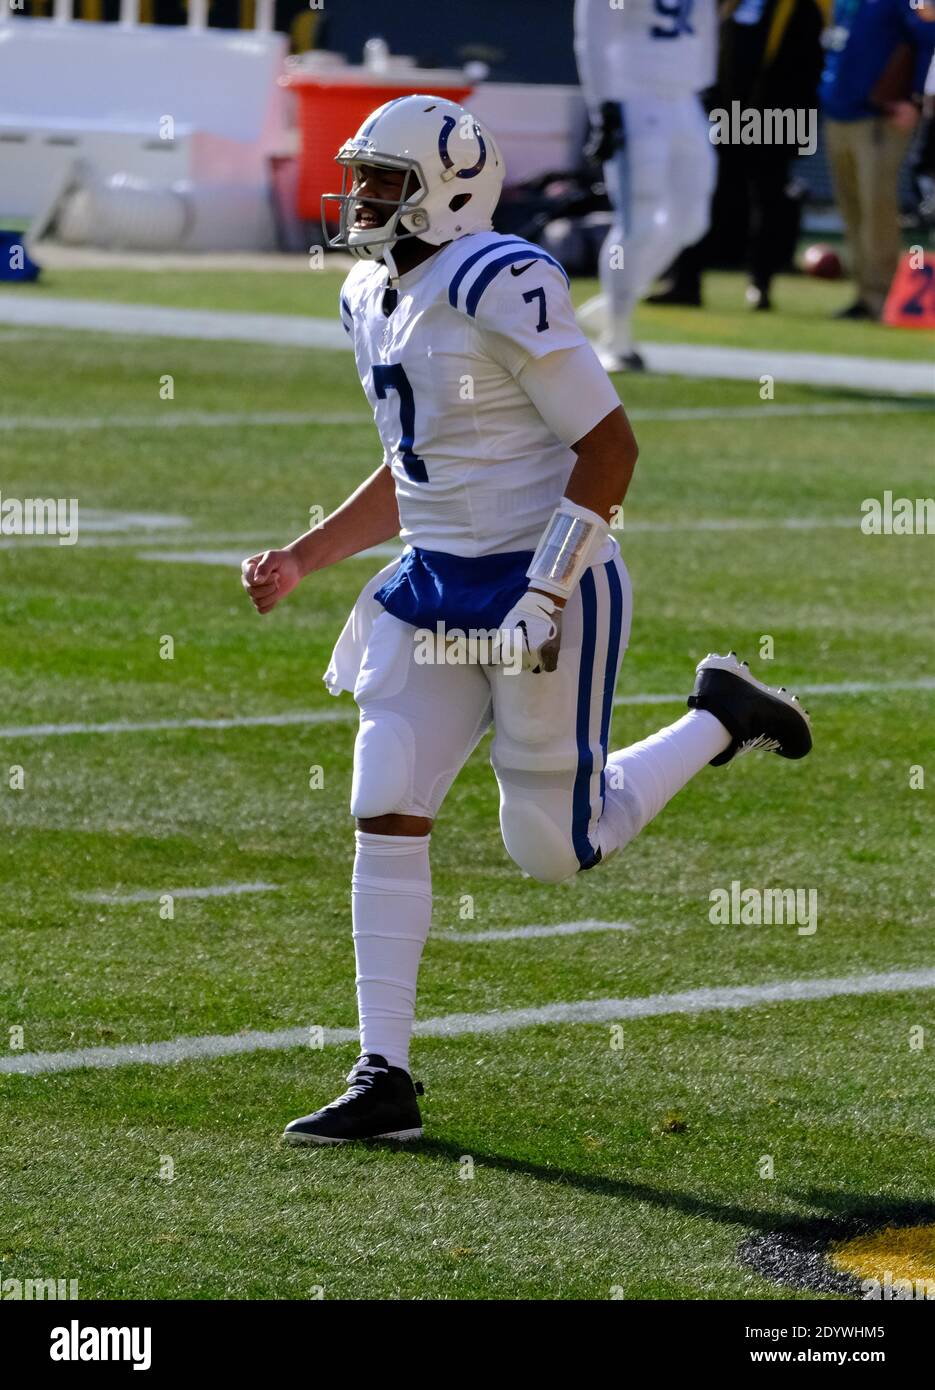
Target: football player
<point x="505" y="450"/>
<point x="642" y="66"/>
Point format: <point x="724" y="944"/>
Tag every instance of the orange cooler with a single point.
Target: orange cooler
<point x="332" y="105"/>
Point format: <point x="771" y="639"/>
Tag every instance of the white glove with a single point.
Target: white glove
<point x="534" y="625"/>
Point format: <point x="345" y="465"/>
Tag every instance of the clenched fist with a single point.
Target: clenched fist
<point x="534" y="623"/>
<point x="269" y="576"/>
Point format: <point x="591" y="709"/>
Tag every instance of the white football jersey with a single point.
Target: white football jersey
<point x="477" y="470"/>
<point x="630" y="48"/>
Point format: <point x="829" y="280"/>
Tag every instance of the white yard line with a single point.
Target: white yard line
<point x="532" y="933"/>
<point x="235" y="557"/>
<point x="746" y="523"/>
<point x="107" y="520"/>
<point x="232" y="559"/>
<point x="693" y="1001"/>
<point x="55" y="255"/>
<point x="172" y="419"/>
<point x="765" y="409"/>
<point x="149" y="895"/>
<point x="156" y="321"/>
<point x="877" y="374"/>
<point x="225" y="890"/>
<point x="316" y="716"/>
<point x="347" y="712"/>
<point x="202" y="556"/>
<point x="132" y="539"/>
<point x="806" y="688"/>
<point x="676" y="526"/>
<point x="229" y="559"/>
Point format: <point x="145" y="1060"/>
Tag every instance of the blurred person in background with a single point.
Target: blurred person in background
<point x="878" y="53"/>
<point x="642" y="66"/>
<point x="770" y="59"/>
<point x="923" y="155"/>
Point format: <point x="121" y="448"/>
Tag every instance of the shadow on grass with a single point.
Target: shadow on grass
<point x="844" y="1213"/>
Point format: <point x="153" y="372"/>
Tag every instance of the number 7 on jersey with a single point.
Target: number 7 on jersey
<point x="390" y="376"/>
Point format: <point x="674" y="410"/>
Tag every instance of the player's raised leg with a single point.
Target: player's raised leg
<point x="730" y="712"/>
<point x="552" y="729"/>
<point x="566" y="802"/>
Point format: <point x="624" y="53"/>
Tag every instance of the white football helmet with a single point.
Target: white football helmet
<point x="454" y="174"/>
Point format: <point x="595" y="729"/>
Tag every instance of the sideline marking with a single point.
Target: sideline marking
<point x="343" y="714"/>
<point x="527" y="933"/>
<point x="693" y="1001"/>
<point x="272" y="419"/>
<point x="150" y="895"/>
<point x="875" y="374"/>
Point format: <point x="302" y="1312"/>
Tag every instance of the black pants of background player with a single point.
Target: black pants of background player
<point x="754" y="221"/>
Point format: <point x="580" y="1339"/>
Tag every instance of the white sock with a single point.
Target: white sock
<point x="641" y="779"/>
<point x="391" y="908"/>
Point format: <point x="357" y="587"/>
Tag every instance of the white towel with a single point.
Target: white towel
<point x="348" y="654"/>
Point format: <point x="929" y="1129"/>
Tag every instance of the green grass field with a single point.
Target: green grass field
<point x="598" y="1170"/>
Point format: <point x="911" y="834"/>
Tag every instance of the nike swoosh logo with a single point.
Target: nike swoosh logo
<point x="519" y="269"/>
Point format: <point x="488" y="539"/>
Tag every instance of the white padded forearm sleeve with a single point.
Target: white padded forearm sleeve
<point x="570" y="390"/>
<point x="569" y="544"/>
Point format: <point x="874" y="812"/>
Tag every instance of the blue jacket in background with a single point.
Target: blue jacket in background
<point x="864" y="35"/>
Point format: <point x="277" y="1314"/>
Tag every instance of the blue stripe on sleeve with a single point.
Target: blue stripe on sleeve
<point x="466" y="264"/>
<point x="490" y="272"/>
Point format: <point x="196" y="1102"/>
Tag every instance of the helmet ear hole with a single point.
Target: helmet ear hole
<point x="458" y="201"/>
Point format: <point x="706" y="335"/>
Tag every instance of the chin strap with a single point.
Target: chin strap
<point x="390" y="265"/>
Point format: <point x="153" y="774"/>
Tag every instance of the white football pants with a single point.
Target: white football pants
<point x="565" y="802"/>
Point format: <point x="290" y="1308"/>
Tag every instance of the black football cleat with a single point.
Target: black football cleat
<point x="857" y="310"/>
<point x="379" y="1103"/>
<point x="756" y="717"/>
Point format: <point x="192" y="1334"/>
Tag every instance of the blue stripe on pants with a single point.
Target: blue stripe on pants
<point x="581" y="798"/>
<point x="613" y="652"/>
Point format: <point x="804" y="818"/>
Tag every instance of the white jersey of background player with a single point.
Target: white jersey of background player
<point x="642" y="64"/>
<point x="505" y="449"/>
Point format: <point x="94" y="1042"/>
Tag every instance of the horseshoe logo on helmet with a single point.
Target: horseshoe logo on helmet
<point x="448" y="126"/>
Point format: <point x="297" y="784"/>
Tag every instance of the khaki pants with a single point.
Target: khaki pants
<point x="865" y="158"/>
